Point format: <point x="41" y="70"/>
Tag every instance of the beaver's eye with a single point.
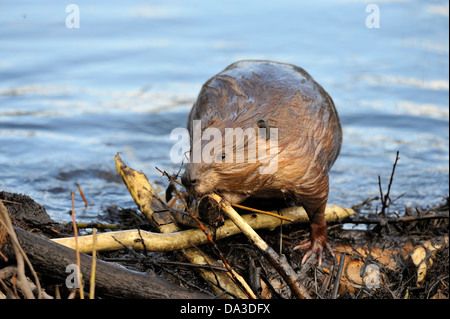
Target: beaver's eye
<point x="262" y="123"/>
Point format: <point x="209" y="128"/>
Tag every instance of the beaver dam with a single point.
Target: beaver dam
<point x="158" y="250"/>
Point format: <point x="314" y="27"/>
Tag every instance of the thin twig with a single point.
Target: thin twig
<point x="179" y="263"/>
<point x="385" y="199"/>
<point x="82" y="195"/>
<point x="75" y="232"/>
<point x="262" y="212"/>
<point x="392" y="175"/>
<point x="165" y="262"/>
<point x="187" y="282"/>
<point x="9" y="202"/>
<point x="338" y="277"/>
<point x="94" y="264"/>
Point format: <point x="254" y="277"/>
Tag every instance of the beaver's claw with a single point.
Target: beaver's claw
<point x="314" y="246"/>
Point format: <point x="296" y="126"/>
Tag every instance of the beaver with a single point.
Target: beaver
<point x="297" y="116"/>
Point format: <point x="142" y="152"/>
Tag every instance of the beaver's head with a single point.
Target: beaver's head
<point x="228" y="163"/>
<point x="215" y="170"/>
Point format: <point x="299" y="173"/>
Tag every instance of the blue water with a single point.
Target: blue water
<point x="71" y="98"/>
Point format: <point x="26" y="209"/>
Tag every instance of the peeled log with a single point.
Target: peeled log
<point x="192" y="237"/>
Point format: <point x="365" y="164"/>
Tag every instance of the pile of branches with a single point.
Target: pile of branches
<point x="168" y="252"/>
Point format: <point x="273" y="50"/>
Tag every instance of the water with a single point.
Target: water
<point x="71" y="98"/>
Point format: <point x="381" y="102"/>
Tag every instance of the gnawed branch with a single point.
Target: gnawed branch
<point x="193" y="237"/>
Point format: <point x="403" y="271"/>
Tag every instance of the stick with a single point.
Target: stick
<point x="279" y="262"/>
<point x="94" y="264"/>
<point x="338" y="277"/>
<point x="262" y="212"/>
<point x="385" y="200"/>
<point x="82" y="195"/>
<point x="77" y="251"/>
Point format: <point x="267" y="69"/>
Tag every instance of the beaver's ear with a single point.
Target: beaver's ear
<point x="262" y="123"/>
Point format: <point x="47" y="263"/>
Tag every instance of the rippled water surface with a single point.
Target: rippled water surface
<point x="71" y="98"/>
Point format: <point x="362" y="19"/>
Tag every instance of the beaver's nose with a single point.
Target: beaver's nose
<point x="187" y="181"/>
